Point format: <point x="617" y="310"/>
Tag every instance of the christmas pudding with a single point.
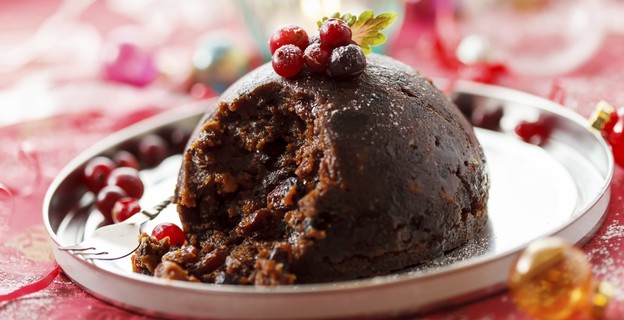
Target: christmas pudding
<point x="311" y="179"/>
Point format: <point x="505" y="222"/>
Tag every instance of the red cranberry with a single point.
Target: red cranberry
<point x="179" y="138"/>
<point x="487" y="118"/>
<point x="124" y="158"/>
<point x="315" y="39"/>
<point x="346" y="62"/>
<point x="290" y="34"/>
<point x="125" y="208"/>
<point x="287" y="61"/>
<point x="127" y="179"/>
<point x="317" y="56"/>
<point x="335" y="33"/>
<point x="106" y="198"/>
<point x="166" y="229"/>
<point x="96" y="173"/>
<point x="533" y="132"/>
<point x="153" y="149"/>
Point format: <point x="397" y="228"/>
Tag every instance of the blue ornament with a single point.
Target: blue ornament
<point x="218" y="62"/>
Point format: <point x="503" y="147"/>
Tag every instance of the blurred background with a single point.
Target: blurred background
<point x="59" y="56"/>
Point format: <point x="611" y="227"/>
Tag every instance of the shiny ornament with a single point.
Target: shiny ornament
<point x="551" y="279"/>
<point x="611" y="124"/>
<point x="532" y="37"/>
<point x="218" y="62"/>
<point x="604" y="113"/>
<point x="126" y="60"/>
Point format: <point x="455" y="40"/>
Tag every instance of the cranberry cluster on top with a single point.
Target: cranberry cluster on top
<point x="333" y="52"/>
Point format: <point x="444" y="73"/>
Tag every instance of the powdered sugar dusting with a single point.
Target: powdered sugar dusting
<point x="474" y="248"/>
<point x="606" y="257"/>
<point x="613" y="231"/>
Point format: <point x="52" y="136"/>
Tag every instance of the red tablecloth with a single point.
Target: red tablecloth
<point x="25" y="252"/>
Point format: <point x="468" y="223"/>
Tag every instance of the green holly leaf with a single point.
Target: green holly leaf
<point x="347" y="17"/>
<point x="366" y="29"/>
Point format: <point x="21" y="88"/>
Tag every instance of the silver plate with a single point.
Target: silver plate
<point x="559" y="188"/>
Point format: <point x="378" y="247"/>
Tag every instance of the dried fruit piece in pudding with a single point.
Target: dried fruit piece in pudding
<point x="173" y="271"/>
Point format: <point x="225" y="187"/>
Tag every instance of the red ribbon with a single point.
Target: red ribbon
<point x="32" y="287"/>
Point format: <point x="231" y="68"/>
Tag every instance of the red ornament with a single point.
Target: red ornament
<point x="611" y="124"/>
<point x="614" y="118"/>
<point x="614" y="131"/>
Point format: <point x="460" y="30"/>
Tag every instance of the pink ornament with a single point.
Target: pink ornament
<point x="129" y="63"/>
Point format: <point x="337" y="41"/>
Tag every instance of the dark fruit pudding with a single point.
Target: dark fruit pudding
<point x="308" y="179"/>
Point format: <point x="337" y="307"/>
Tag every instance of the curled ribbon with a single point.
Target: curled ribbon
<point x="32" y="287"/>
